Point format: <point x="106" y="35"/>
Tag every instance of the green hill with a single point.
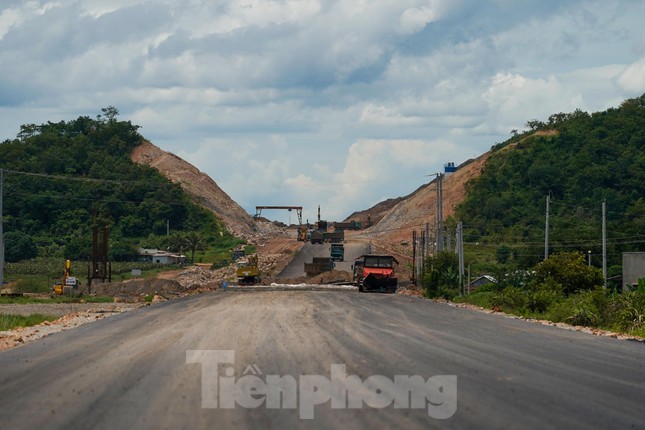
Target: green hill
<point x="60" y="178"/>
<point x="579" y="160"/>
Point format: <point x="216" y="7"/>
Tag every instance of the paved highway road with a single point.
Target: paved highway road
<point x="296" y="267"/>
<point x="143" y="369"/>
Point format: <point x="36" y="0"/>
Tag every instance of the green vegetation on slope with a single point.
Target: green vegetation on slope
<point x="60" y="178"/>
<point x="580" y="160"/>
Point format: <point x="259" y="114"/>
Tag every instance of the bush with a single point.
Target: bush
<point x="586" y="308"/>
<point x="630" y="310"/>
<point x="569" y="270"/>
<point x="481" y="298"/>
<point x="511" y="299"/>
<point x="443" y="279"/>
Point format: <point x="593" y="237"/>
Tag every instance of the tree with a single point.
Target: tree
<point x="193" y="242"/>
<point x="19" y="246"/>
<point x="441" y="275"/>
<point x="502" y="254"/>
<point x="569" y="270"/>
<point x="110" y="113"/>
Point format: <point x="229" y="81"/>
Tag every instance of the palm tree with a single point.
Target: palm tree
<point x="193" y="241"/>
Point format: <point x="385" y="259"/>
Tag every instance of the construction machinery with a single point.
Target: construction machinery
<point x="248" y="271"/>
<point x="316" y="237"/>
<point x="319" y="265"/>
<point x="334" y="236"/>
<point x="303" y="233"/>
<point x="375" y="273"/>
<point x="69" y="284"/>
<point x="350" y="225"/>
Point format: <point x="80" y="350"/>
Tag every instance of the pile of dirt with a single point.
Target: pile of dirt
<point x="333" y="277"/>
<point x="137" y="289"/>
<point x="325" y="278"/>
<point x="197" y="276"/>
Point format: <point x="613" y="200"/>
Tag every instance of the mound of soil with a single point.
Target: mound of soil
<point x="137" y="289"/>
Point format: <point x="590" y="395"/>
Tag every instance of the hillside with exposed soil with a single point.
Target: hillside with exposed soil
<point x="202" y="188"/>
<point x="394" y="230"/>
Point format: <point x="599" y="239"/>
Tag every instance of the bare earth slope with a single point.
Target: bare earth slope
<point x="200" y="186"/>
<point x="375" y="214"/>
<point x="394" y="231"/>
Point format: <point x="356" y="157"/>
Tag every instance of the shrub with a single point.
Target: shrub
<point x="569" y="270"/>
<point x="630" y="310"/>
<point x="540" y="300"/>
<point x="586" y="308"/>
<point x="510" y="298"/>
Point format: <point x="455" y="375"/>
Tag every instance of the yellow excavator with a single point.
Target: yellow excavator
<point x="248" y="272"/>
<point x="68" y="284"/>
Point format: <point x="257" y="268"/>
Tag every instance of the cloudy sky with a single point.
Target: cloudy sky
<point x="309" y="102"/>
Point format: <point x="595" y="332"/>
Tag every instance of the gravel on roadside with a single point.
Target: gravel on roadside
<point x="70" y="315"/>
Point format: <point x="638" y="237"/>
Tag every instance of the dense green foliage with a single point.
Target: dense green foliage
<point x="579" y="159"/>
<point x="565" y="289"/>
<point x="598" y="307"/>
<point x="19" y="246"/>
<point x="570" y="271"/>
<point x="61" y="178"/>
<point x="441" y="275"/>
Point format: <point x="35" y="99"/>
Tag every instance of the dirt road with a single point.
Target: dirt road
<point x="140" y="369"/>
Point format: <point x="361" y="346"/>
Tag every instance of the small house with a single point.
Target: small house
<point x="478" y="282"/>
<point x="162" y="257"/>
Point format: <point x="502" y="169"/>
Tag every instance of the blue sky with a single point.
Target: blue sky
<point x="334" y="103"/>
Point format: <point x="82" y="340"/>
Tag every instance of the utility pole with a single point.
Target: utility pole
<point x="546" y="230"/>
<point x="439" y="212"/>
<point x="604" y="242"/>
<point x="459" y="247"/>
<point x="1" y="231"/>
<point x="427" y="239"/>
<point x="414" y="257"/>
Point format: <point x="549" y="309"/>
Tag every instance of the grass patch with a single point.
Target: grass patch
<point x="45" y="300"/>
<point x="9" y="322"/>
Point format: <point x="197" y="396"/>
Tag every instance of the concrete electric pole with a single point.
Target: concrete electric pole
<point x="546" y="229"/>
<point x="1" y="231"/>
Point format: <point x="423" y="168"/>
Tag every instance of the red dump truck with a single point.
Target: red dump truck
<point x="375" y="273"/>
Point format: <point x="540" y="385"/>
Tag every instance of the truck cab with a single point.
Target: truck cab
<point x="375" y="272"/>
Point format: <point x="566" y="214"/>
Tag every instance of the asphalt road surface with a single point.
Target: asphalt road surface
<point x="296" y="267"/>
<point x="143" y="369"/>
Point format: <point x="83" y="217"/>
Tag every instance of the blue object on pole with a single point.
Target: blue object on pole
<point x="224" y="284"/>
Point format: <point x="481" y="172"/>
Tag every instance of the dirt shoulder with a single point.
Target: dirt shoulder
<point x="71" y="315"/>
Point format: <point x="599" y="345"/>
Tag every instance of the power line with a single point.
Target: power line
<point x="159" y="184"/>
